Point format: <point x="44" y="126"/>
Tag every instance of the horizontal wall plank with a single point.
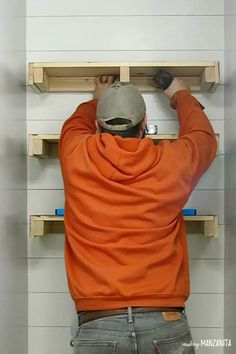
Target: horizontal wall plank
<point x="50" y="340"/>
<point x="47" y="275"/>
<point x="41" y="202"/>
<point x="205" y="247"/>
<point x="45" y="340"/>
<point x="123" y="7"/>
<point x="205" y="308"/>
<point x="93" y="33"/>
<point x="204" y="202"/>
<point x="46" y="174"/>
<point x="60" y="106"/>
<point x="230" y="265"/>
<point x="206" y="276"/>
<point x="213" y="178"/>
<point x="52" y="246"/>
<point x="50" y="309"/>
<point x="201" y="334"/>
<point x="128" y="56"/>
<point x="57" y="309"/>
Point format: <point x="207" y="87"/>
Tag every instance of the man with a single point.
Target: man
<point x="125" y="247"/>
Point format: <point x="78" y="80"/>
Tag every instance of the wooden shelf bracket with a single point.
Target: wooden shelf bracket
<point x="43" y="145"/>
<point x="80" y="77"/>
<point x="46" y="145"/>
<point x="207" y="225"/>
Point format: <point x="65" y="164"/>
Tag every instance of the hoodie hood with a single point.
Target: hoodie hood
<point x="122" y="159"/>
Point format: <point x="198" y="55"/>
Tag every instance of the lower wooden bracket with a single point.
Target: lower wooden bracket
<point x="40" y="225"/>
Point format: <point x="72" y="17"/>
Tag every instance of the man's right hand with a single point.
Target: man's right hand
<point x="102" y="83"/>
<point x="175" y="86"/>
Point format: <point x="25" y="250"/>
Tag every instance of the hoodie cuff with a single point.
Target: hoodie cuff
<point x="94" y="101"/>
<point x="174" y="98"/>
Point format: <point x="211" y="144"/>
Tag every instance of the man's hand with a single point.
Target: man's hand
<point x="176" y="86"/>
<point x="102" y="83"/>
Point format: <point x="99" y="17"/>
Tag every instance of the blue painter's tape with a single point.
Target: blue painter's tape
<point x="185" y="212"/>
<point x="59" y="212"/>
<point x="189" y="212"/>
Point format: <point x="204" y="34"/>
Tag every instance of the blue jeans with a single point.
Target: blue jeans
<point x="140" y="333"/>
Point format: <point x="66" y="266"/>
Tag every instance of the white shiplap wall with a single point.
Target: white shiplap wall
<point x="230" y="174"/>
<point x="128" y="30"/>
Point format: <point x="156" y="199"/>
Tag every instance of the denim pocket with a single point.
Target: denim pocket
<point x="83" y="346"/>
<point x="181" y="344"/>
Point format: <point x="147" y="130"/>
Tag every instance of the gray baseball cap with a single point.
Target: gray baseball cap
<point x="121" y="100"/>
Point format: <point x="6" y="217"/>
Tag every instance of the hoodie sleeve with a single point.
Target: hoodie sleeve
<point x="196" y="142"/>
<point x="81" y="122"/>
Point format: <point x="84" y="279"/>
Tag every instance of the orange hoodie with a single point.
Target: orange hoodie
<point x="125" y="241"/>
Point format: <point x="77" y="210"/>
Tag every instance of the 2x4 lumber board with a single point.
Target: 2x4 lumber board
<point x="212" y="227"/>
<point x="125" y="74"/>
<point x="37" y="226"/>
<point x="81" y="76"/>
<point x="41" y="79"/>
<point x="166" y="64"/>
<point x="208" y="79"/>
<point x="36" y="146"/>
<point x="31" y="79"/>
<point x="217" y="77"/>
<point x="87" y="84"/>
<point x="40" y="225"/>
<point x="39" y="144"/>
<point x="208" y="225"/>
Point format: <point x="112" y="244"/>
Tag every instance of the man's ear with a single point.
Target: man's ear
<point x="145" y="121"/>
<point x="97" y="126"/>
<point x="143" y="125"/>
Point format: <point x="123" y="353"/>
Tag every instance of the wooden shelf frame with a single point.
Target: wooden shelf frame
<point x="43" y="145"/>
<point x="46" y="145"/>
<point x="207" y="225"/>
<point x="80" y="77"/>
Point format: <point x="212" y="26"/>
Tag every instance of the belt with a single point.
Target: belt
<point x="86" y="316"/>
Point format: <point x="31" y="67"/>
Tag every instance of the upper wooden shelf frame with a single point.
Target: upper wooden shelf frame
<point x="46" y="145"/>
<point x="80" y="77"/>
<point x="40" y="225"/>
